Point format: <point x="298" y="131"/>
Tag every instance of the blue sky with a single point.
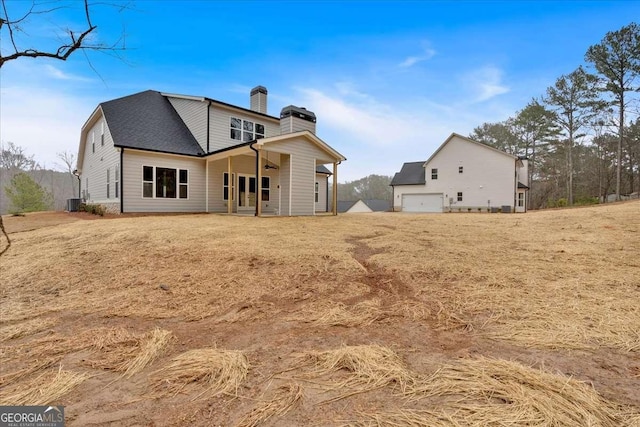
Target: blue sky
<point x="388" y="81"/>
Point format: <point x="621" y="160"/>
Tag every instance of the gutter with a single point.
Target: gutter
<point x="257" y="171"/>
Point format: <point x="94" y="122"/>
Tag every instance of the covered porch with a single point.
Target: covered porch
<point x="287" y="175"/>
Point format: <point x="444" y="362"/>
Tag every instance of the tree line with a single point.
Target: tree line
<point x="29" y="187"/>
<point x="581" y="137"/>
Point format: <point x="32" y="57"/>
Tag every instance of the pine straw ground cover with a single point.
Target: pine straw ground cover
<point x="557" y="289"/>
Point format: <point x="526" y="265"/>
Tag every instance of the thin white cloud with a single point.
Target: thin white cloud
<point x="56" y="73"/>
<point x="410" y="61"/>
<point x="484" y="83"/>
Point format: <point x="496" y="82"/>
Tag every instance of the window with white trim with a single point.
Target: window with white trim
<point x="317" y="191"/>
<point x="108" y="182"/>
<point x="102" y="135"/>
<point x="460" y="169"/>
<point x="165" y="183"/>
<point x="266" y="188"/>
<point x="434" y="173"/>
<point x="245" y="130"/>
<point x="459" y="196"/>
<point x="93" y="142"/>
<point x="226" y="185"/>
<point x="520" y="200"/>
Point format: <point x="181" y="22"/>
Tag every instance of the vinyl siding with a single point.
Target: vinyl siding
<point x="296" y="124"/>
<point x="220" y="126"/>
<point x="303" y="176"/>
<point x="244" y="165"/>
<point x="133" y="162"/>
<point x="95" y="165"/>
<point x="194" y="114"/>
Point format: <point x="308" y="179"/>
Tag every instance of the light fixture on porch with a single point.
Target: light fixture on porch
<point x="269" y="166"/>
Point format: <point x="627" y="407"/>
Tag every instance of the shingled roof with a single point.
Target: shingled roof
<point x="148" y="121"/>
<point x="412" y="173"/>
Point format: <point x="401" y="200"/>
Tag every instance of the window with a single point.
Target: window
<point x="168" y="183"/>
<point x="459" y="196"/>
<point x="520" y="200"/>
<point x="116" y="179"/>
<point x="266" y="188"/>
<point x="460" y="168"/>
<point x="147" y="181"/>
<point x="434" y="173"/>
<point x="245" y="130"/>
<point x="226" y="186"/>
<point x="183" y="184"/>
<point x="108" y="183"/>
<point x="102" y="135"/>
<point x="93" y="142"/>
<point x="165" y="183"/>
<point x="317" y="188"/>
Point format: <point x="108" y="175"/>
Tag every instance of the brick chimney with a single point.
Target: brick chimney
<point x="296" y="119"/>
<point x="259" y="99"/>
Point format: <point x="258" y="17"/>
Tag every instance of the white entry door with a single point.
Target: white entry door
<point x="246" y="192"/>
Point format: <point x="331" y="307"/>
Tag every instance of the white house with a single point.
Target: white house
<point x="161" y="152"/>
<point x="462" y="175"/>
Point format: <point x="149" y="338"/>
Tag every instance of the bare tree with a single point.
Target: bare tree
<point x="14" y="29"/>
<point x="68" y="160"/>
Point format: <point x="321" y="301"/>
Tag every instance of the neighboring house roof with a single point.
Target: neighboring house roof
<point x="148" y="121"/>
<point x="378" y="205"/>
<point x="345" y="205"/>
<point x="453" y="135"/>
<point x="412" y="173"/>
<point x="323" y="169"/>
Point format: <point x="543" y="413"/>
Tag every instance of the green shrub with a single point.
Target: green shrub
<point x="583" y="201"/>
<point x="92" y="209"/>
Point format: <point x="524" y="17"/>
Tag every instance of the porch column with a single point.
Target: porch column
<point x="230" y="187"/>
<point x="206" y="186"/>
<point x="259" y="184"/>
<point x="335" y="188"/>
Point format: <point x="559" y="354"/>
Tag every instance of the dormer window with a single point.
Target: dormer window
<point x="245" y="130"/>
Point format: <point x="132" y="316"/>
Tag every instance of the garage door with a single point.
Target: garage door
<point x="422" y="202"/>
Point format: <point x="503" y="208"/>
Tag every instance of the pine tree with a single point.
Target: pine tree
<point x="26" y="195"/>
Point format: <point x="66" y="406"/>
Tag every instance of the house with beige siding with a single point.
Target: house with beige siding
<point x="462" y="175"/>
<point x="163" y="152"/>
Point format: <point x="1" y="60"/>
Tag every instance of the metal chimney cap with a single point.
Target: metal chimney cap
<point x="259" y="89"/>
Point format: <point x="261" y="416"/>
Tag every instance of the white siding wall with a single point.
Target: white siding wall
<point x="95" y="165"/>
<point x="523" y="173"/>
<point x="219" y="126"/>
<point x="194" y="114"/>
<point x="133" y="162"/>
<point x="487" y="175"/>
<point x="359" y="207"/>
<point x="321" y="179"/>
<point x="245" y="165"/>
<point x="303" y="173"/>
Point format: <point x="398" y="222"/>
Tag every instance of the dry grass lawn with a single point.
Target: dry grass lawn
<point x="355" y="320"/>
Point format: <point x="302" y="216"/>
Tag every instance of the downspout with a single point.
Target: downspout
<point x="257" y="172"/>
<point x="120" y="180"/>
<point x="77" y="175"/>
